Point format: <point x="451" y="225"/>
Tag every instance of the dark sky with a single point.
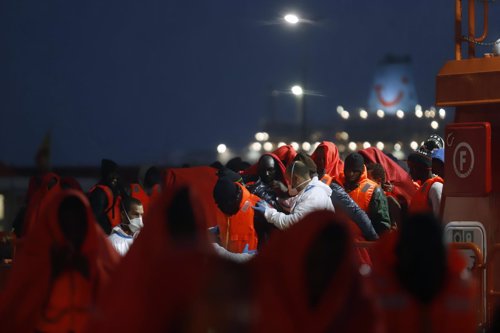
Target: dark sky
<point x="142" y="81"/>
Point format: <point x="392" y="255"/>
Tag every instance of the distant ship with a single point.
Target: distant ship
<point x="393" y="87"/>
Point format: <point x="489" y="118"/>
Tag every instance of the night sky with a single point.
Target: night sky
<point x="144" y="81"/>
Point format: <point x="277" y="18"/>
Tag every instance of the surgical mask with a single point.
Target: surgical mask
<point x="293" y="191"/>
<point x="135" y="224"/>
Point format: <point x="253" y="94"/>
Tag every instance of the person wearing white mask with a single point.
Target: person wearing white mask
<point x="307" y="195"/>
<point x="123" y="235"/>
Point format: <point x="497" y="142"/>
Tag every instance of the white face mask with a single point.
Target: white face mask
<point x="293" y="191"/>
<point x="135" y="224"/>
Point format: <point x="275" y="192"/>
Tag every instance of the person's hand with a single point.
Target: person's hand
<point x="387" y="187"/>
<point x="246" y="251"/>
<point x="261" y="206"/>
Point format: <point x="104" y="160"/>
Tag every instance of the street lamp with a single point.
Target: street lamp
<point x="297" y="90"/>
<point x="291" y="19"/>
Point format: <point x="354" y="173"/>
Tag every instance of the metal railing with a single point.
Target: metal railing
<point x="470" y="38"/>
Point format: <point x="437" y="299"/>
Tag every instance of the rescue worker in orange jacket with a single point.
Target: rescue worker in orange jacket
<point x="148" y="187"/>
<point x="428" y="196"/>
<point x="422" y="285"/>
<point x="105" y="197"/>
<point x="366" y="193"/>
<point x="237" y="233"/>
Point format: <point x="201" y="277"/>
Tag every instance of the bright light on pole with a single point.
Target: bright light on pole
<point x="380" y="113"/>
<point x="345" y="114"/>
<point x="363" y="114"/>
<point x="291" y="19"/>
<point x="297" y="90"/>
<point x="221" y="149"/>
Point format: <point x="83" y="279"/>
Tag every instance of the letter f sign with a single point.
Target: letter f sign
<point x="462" y="159"/>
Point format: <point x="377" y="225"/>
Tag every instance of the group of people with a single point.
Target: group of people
<point x="273" y="246"/>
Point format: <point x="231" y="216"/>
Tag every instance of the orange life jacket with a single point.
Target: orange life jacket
<point x="113" y="207"/>
<point x="327" y="179"/>
<point x="238" y="230"/>
<point x="453" y="309"/>
<point x="137" y="192"/>
<point x="364" y="192"/>
<point x="420" y="202"/>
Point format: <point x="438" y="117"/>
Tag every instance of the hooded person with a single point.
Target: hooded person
<point x="202" y="180"/>
<point x="403" y="188"/>
<point x="271" y="182"/>
<point x="366" y="193"/>
<point x="286" y="154"/>
<point x="50" y="184"/>
<point x="308" y="195"/>
<point x="428" y="196"/>
<point x="269" y="170"/>
<point x="105" y="197"/>
<point x="65" y="262"/>
<point x="327" y="159"/>
<point x="308" y="280"/>
<point x="165" y="273"/>
<point x="422" y="284"/>
<point x="377" y="173"/>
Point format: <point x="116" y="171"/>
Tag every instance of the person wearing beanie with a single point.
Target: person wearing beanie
<point x="367" y="194"/>
<point x="428" y="196"/>
<point x="237" y="232"/>
<point x="106" y="196"/>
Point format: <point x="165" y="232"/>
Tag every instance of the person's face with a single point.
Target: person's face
<point x="438" y="167"/>
<point x="414" y="171"/>
<point x="294" y="180"/>
<point x="73" y="222"/>
<point x="320" y="160"/>
<point x="267" y="169"/>
<point x="378" y="180"/>
<point x="232" y="206"/>
<point x="352" y="176"/>
<point x="135" y="211"/>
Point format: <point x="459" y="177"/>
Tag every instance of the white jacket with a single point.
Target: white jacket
<point x="315" y="196"/>
<point x="120" y="240"/>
